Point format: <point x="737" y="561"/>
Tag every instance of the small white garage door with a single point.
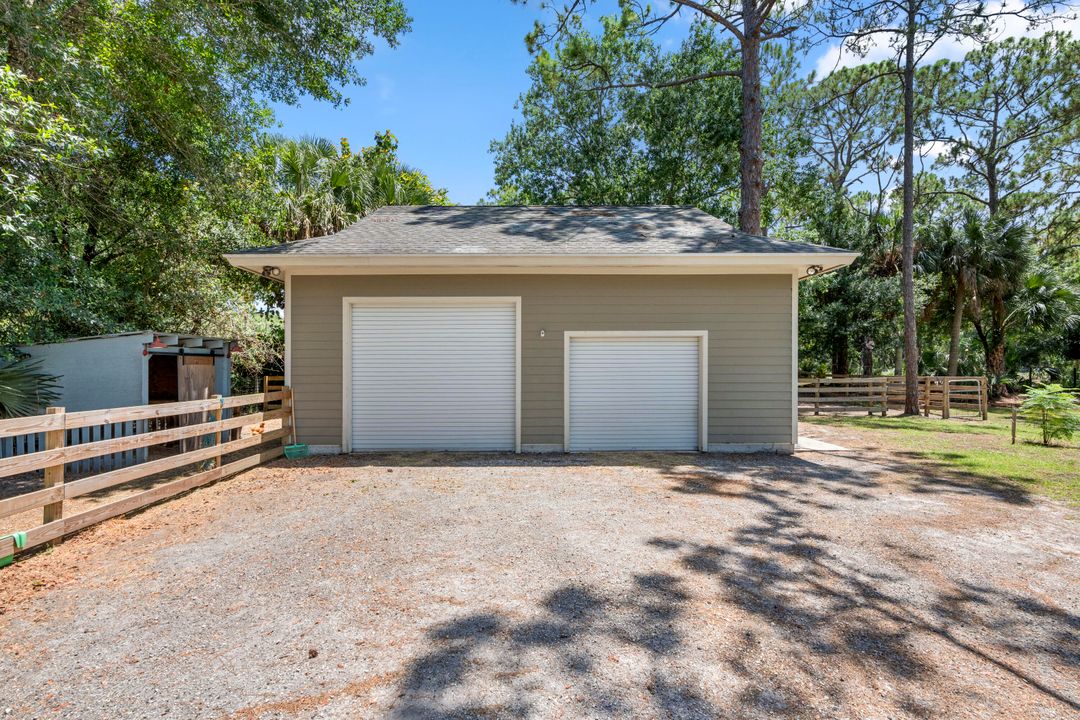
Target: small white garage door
<point x="634" y="393"/>
<point x="439" y="376"/>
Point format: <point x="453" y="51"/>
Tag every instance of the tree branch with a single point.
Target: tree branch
<point x="716" y="17"/>
<point x="669" y="83"/>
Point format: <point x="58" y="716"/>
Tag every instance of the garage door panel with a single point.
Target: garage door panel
<point x="438" y="377"/>
<point x="634" y="393"/>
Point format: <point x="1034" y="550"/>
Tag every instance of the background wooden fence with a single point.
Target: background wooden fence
<point x="945" y="395"/>
<point x="217" y="432"/>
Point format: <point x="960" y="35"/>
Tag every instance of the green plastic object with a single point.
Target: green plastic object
<point x="20" y="542"/>
<point x="296" y="451"/>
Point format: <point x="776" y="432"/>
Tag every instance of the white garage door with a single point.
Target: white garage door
<point x="634" y="393"/>
<point x="439" y="376"/>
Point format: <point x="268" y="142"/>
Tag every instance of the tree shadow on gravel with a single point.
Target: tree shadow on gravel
<point x="488" y="664"/>
<point x="796" y="622"/>
<point x="825" y="605"/>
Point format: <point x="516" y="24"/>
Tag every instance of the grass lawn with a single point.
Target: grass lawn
<point x="972" y="448"/>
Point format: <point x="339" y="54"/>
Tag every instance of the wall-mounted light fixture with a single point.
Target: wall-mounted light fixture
<point x="271" y="271"/>
<point x="813" y="270"/>
<point x="542" y="332"/>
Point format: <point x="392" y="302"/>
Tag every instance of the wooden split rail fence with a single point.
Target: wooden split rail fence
<point x="216" y="432"/>
<point x="880" y="394"/>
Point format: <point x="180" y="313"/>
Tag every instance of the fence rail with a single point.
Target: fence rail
<point x="216" y="433"/>
<point x="880" y="394"/>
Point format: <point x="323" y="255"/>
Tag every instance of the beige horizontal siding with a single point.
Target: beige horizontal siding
<point x="748" y="318"/>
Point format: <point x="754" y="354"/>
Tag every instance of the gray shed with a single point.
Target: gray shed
<point x="123" y="369"/>
<point x="135" y="368"/>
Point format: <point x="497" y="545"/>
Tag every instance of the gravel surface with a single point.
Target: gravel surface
<point x="497" y="586"/>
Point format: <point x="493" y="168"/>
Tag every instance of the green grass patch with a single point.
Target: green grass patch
<point x="980" y="450"/>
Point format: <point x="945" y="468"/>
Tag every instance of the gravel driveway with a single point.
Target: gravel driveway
<point x="626" y="586"/>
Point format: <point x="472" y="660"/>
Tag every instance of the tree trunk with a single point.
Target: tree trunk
<point x="841" y="363"/>
<point x="867" y="356"/>
<point x="911" y="347"/>
<point x="957" y="327"/>
<point x="995" y="348"/>
<point x="751" y="185"/>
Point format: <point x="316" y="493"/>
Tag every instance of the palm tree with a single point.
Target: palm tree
<point x="1000" y="258"/>
<point x="1008" y="286"/>
<point x="323" y="188"/>
<point x="949" y="253"/>
<point x="24" y="389"/>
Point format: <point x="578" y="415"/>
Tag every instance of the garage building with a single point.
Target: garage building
<point x="542" y="329"/>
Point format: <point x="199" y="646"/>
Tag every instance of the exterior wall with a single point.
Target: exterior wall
<point x="97" y="373"/>
<point x="748" y="317"/>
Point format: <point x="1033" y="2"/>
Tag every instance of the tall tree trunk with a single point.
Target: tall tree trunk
<point x="957" y="327"/>
<point x="751" y="185"/>
<point x="911" y="346"/>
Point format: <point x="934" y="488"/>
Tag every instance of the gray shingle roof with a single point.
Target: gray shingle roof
<point x="538" y="230"/>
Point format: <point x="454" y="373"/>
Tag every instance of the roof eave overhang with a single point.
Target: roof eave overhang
<point x="805" y="264"/>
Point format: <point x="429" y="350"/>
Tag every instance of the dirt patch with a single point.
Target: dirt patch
<point x="625" y="585"/>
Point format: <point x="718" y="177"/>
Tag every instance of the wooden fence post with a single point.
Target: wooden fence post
<point x="266" y="389"/>
<point x="54" y="474"/>
<point x="817" y="396"/>
<point x="215" y="417"/>
<point x="1014" y="425"/>
<point x="287" y="417"/>
<point x="926" y="399"/>
<point x="985" y="395"/>
<point x="945" y="399"/>
<point x="884" y="397"/>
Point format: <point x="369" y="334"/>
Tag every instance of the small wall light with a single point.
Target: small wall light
<point x="813" y="270"/>
<point x="270" y="271"/>
<point x="542" y="332"/>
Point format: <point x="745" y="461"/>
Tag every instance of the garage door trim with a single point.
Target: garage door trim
<point x="703" y="372"/>
<point x="347" y="305"/>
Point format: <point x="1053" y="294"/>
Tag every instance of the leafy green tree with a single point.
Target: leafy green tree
<point x="578" y="143"/>
<point x="142" y="162"/>
<point x="749" y="26"/>
<point x="1054" y="410"/>
<point x="911" y="28"/>
<point x="1008" y="117"/>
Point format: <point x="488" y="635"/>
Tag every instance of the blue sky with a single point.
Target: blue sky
<point x="450" y="87"/>
<point x="446" y="92"/>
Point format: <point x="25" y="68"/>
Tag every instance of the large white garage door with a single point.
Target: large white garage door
<point x="634" y="393"/>
<point x="439" y="376"/>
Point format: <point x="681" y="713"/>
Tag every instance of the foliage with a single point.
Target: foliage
<point x="752" y="30"/>
<point x="321" y="188"/>
<point x="1054" y="410"/>
<point x="589" y="135"/>
<point x="132" y="155"/>
<point x="24" y="389"/>
<point x="1008" y="116"/>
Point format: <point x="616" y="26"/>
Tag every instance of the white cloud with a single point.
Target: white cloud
<point x="935" y="148"/>
<point x="950" y="48"/>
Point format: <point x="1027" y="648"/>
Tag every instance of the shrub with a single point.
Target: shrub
<point x="1054" y="410"/>
<point x="24" y="390"/>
